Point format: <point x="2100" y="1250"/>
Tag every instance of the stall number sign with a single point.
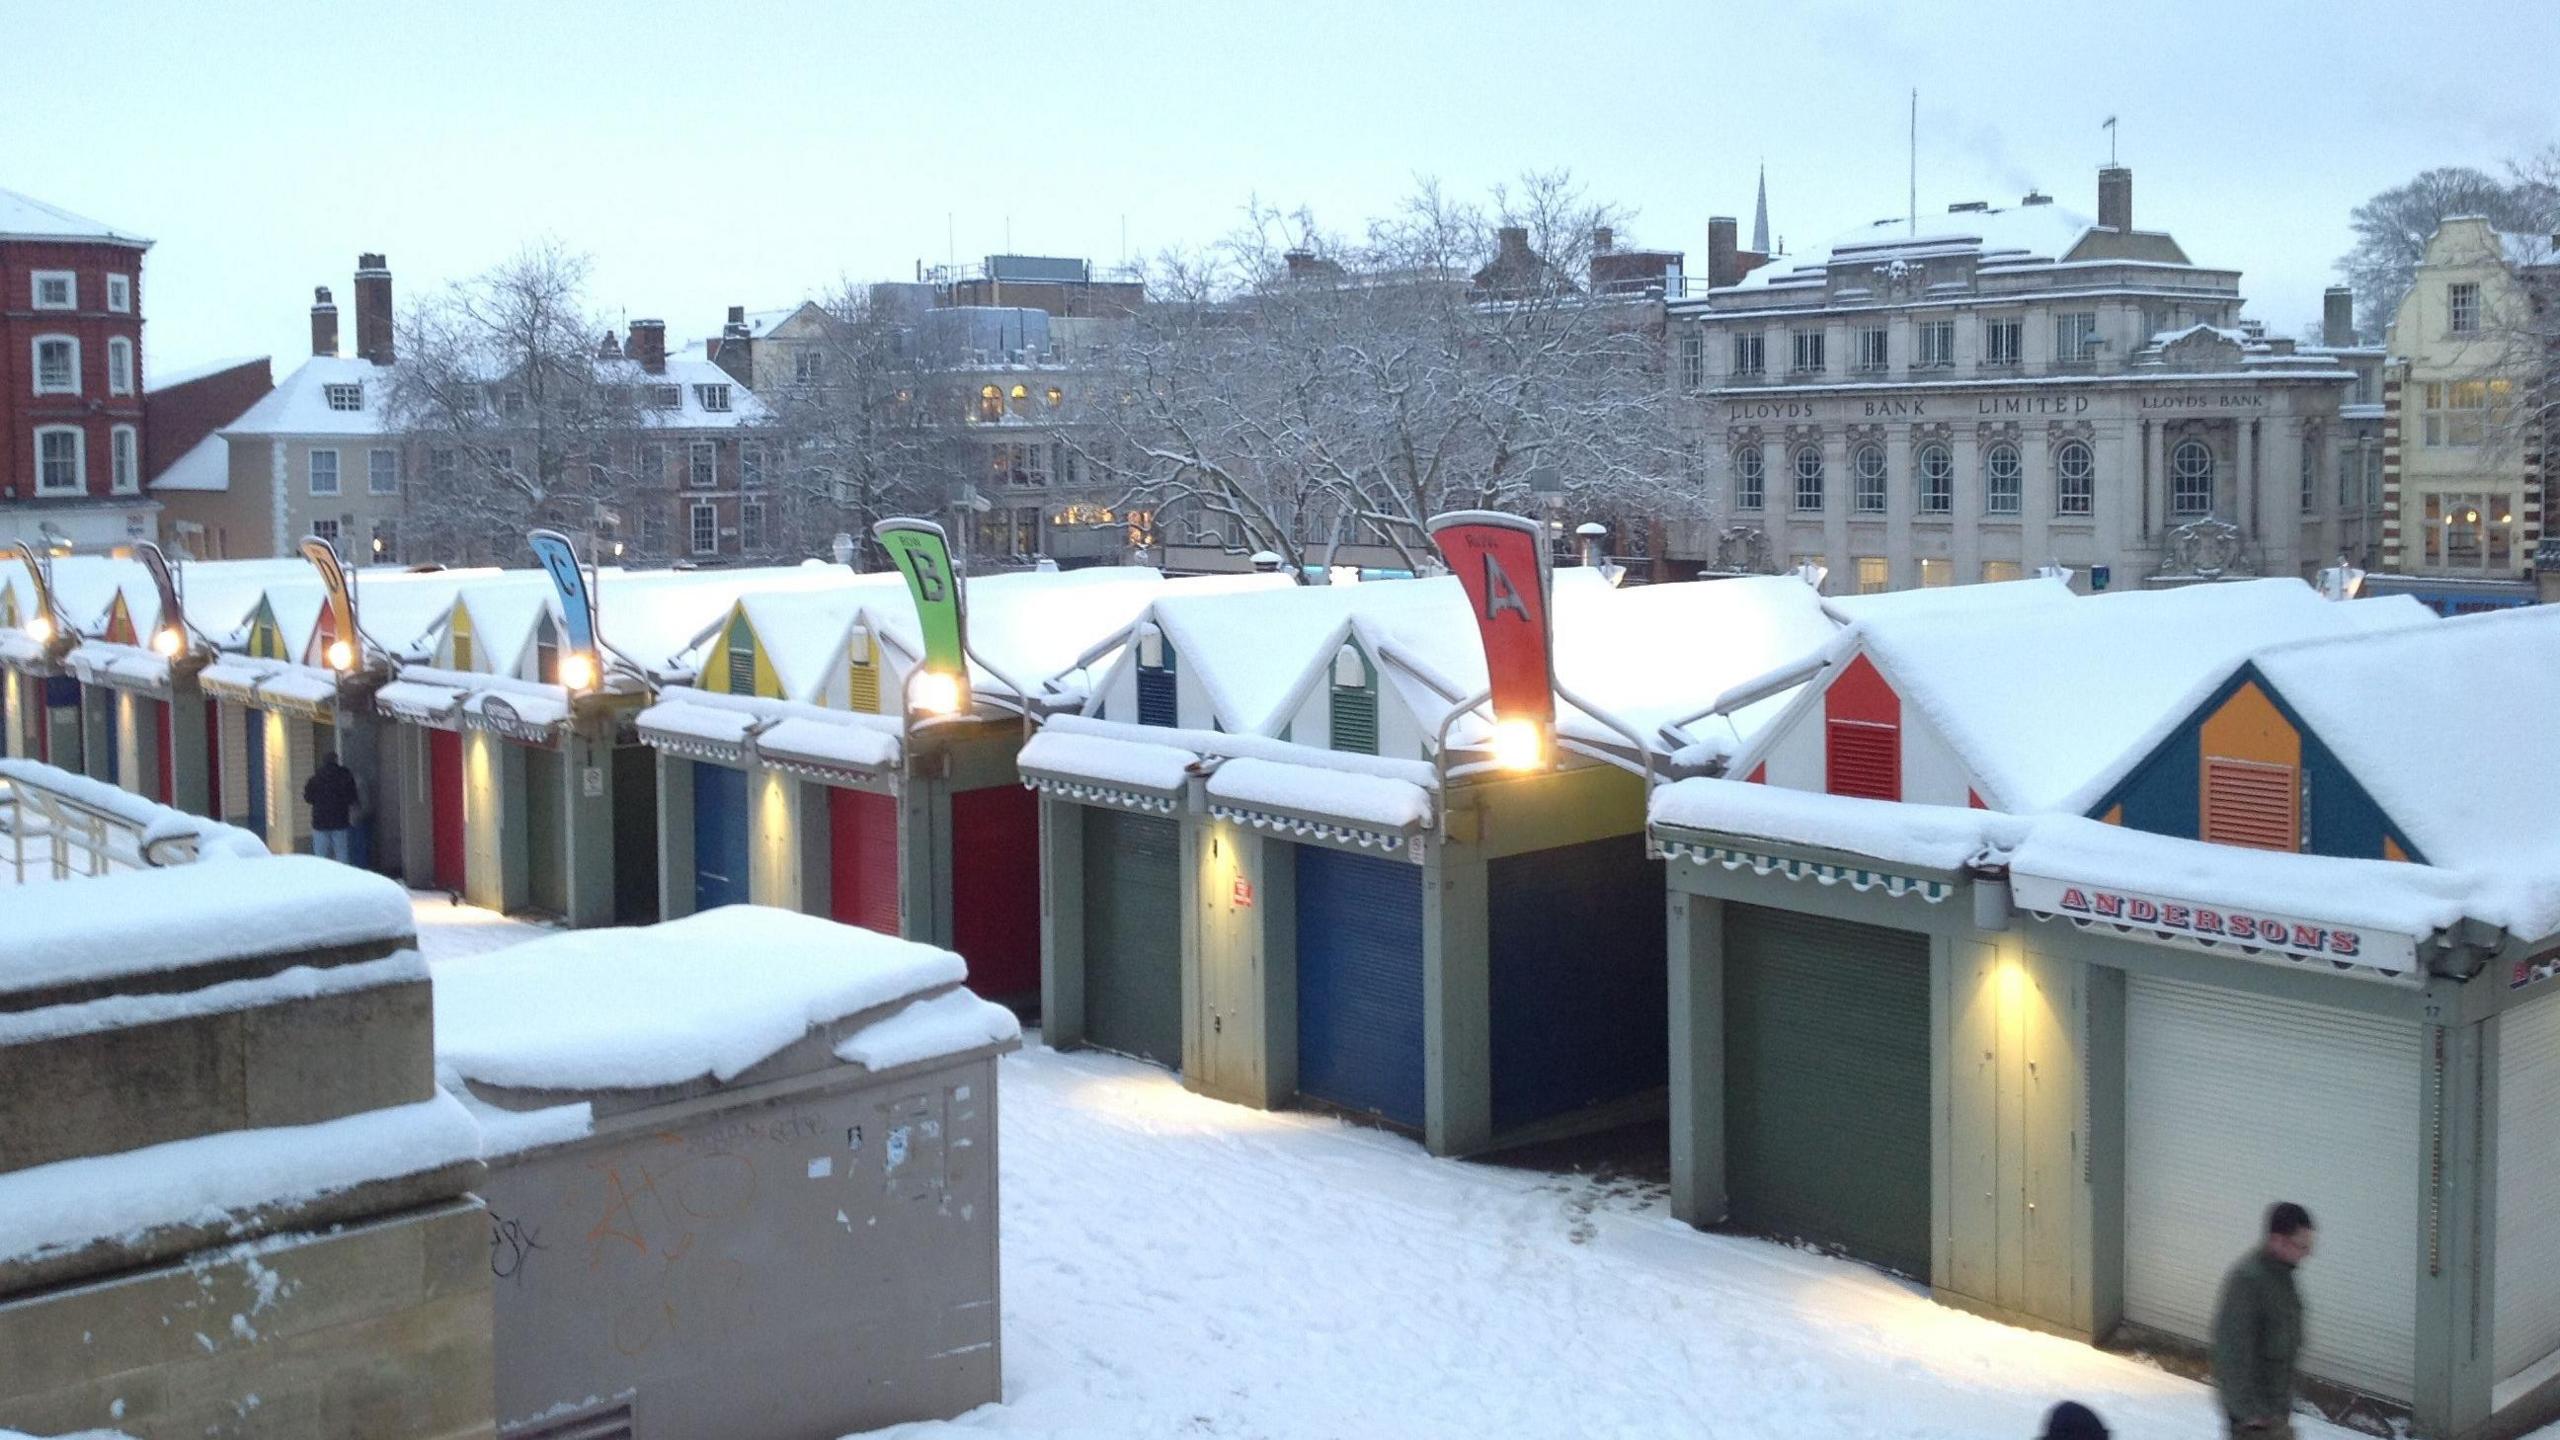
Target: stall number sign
<point x="1243" y="893"/>
<point x="591" y="780"/>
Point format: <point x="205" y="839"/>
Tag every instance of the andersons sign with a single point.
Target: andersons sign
<point x="2213" y="926"/>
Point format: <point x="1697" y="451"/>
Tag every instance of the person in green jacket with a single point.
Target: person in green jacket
<point x="2257" y="1328"/>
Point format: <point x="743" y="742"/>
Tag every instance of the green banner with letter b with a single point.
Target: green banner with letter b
<point x="922" y="554"/>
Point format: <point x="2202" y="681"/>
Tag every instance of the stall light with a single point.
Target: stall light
<point x="1519" y="745"/>
<point x="342" y="656"/>
<point x="168" y="641"/>
<point x="41" y="627"/>
<point x="937" y="693"/>
<point x="578" y="671"/>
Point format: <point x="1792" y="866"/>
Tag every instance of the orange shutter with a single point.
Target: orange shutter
<point x="2245" y="803"/>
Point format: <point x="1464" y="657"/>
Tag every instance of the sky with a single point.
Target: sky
<point x="706" y="155"/>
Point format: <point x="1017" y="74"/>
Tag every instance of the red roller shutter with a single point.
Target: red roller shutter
<point x="995" y="888"/>
<point x="862" y="859"/>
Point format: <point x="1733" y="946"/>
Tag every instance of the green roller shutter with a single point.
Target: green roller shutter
<point x="1827" y="1084"/>
<point x="546" y="842"/>
<point x="1133" y="934"/>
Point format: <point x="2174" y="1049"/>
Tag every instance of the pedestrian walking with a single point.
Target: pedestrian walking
<point x="331" y="794"/>
<point x="2257" y="1328"/>
<point x="2072" y="1420"/>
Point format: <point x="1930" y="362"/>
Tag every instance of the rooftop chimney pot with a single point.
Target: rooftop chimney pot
<point x="2115" y="198"/>
<point x="648" y="345"/>
<point x="324" y="322"/>
<point x="373" y="309"/>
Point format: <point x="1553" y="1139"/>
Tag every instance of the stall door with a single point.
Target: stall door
<point x="995" y="888"/>
<point x="213" y="758"/>
<point x="115" y="735"/>
<point x="1827" y="1084"/>
<point x="546" y="831"/>
<point x="253" y="729"/>
<point x="1133" y="934"/>
<point x="168" y="752"/>
<point x="444" y="806"/>
<point x="719" y="836"/>
<point x="2233" y="1101"/>
<point x="1360" y="983"/>
<point x="635" y="835"/>
<point x="862" y="859"/>
<point x="1580" y="1000"/>
<point x="2528" y="1273"/>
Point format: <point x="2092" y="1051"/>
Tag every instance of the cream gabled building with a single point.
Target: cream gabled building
<point x="1946" y="399"/>
<point x="2462" y="480"/>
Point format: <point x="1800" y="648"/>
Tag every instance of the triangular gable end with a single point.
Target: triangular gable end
<point x="2163" y="792"/>
<point x="737" y="663"/>
<point x="1793" y="751"/>
<point x="266" y="638"/>
<point x="323" y="631"/>
<point x="119" y="627"/>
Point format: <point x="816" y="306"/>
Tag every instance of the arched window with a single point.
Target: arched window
<point x="990" y="404"/>
<point x="1808" y="479"/>
<point x="1056" y="397"/>
<point x="2191" y="479"/>
<point x="1021" y="397"/>
<point x="2075" y="479"/>
<point x="1868" y="477"/>
<point x="1937" y="480"/>
<point x="2001" y="475"/>
<point x="1750" y="479"/>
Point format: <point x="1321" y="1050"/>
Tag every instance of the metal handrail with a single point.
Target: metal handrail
<point x="76" y="839"/>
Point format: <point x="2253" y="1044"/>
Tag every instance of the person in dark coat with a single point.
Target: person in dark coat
<point x="2072" y="1420"/>
<point x="331" y="794"/>
<point x="2257" y="1328"/>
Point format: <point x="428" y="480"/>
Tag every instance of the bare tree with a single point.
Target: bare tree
<point x="2392" y="228"/>
<point x="2528" y="326"/>
<point x="501" y="389"/>
<point x="872" y="431"/>
<point x="1292" y="391"/>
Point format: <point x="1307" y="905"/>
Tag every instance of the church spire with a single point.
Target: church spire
<point x="1760" y="214"/>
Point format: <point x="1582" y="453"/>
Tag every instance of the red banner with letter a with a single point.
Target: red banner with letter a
<point x="1502" y="561"/>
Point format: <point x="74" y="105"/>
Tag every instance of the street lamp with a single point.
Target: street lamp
<point x="168" y="642"/>
<point x="937" y="692"/>
<point x="1519" y="745"/>
<point x="342" y="655"/>
<point x="577" y="671"/>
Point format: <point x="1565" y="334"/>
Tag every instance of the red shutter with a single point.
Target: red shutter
<point x="1862" y="734"/>
<point x="2246" y="803"/>
<point x="862" y="834"/>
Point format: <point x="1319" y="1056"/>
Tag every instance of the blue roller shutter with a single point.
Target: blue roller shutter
<point x="1580" y="997"/>
<point x="1360" y="983"/>
<point x="719" y="836"/>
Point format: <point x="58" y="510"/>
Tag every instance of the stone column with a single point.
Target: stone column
<point x="2155" y="480"/>
<point x="1837" y="484"/>
<point x="1964" y="526"/>
<point x="2244" y="509"/>
<point x="2037" y="496"/>
<point x="1901" y="496"/>
<point x="1775" y="489"/>
<point x="2280" y="494"/>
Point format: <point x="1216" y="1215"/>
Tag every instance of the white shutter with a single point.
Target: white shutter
<point x="2234" y="1101"/>
<point x="2528" y="1281"/>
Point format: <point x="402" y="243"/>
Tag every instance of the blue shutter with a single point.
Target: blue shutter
<point x="1360" y="983"/>
<point x="719" y="836"/>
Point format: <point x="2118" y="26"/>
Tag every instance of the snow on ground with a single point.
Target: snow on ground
<point x="1174" y="1266"/>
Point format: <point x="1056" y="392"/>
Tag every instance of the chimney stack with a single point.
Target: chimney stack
<point x="736" y="329"/>
<point x="324" y="322"/>
<point x="609" y="348"/>
<point x="1723" y="241"/>
<point x="1603" y="240"/>
<point x="373" y="309"/>
<point x="2115" y="198"/>
<point x="648" y="345"/>
<point x="2337" y="316"/>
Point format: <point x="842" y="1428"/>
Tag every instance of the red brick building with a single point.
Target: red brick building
<point x="71" y="428"/>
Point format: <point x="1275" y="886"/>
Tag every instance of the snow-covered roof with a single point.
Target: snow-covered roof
<point x="627" y="1009"/>
<point x="299" y="405"/>
<point x="205" y="466"/>
<point x="691" y="373"/>
<point x="2527" y="251"/>
<point x="2039" y="700"/>
<point x="2013" y="234"/>
<point x="160" y="380"/>
<point x="2387" y="706"/>
<point x="24" y="217"/>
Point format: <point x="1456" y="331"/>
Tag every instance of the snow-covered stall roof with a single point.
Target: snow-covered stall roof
<point x="1250" y="649"/>
<point x="2038" y="700"/>
<point x="2387" y="706"/>
<point x="139" y="922"/>
<point x="1255" y="779"/>
<point x="658" y="617"/>
<point x="629" y="1010"/>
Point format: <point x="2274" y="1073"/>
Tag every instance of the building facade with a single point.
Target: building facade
<point x="2000" y="390"/>
<point x="71" y="418"/>
<point x="2462" y="480"/>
